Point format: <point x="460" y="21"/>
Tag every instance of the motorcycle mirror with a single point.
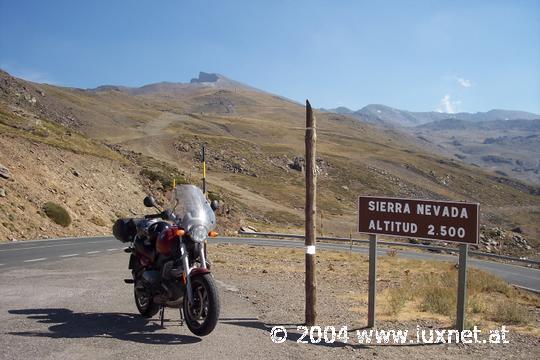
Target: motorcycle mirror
<point x="149" y="201"/>
<point x="214" y="204"/>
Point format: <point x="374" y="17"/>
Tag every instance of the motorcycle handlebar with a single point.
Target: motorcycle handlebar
<point x="153" y="216"/>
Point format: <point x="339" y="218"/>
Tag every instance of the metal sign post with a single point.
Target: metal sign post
<point x="462" y="287"/>
<point x="372" y="279"/>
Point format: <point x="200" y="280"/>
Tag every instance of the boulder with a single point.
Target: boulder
<point x="2" y="192"/>
<point x="297" y="163"/>
<point x="248" y="229"/>
<point x="518" y="230"/>
<point x="4" y="172"/>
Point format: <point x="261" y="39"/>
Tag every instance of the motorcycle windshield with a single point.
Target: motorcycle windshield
<point x="192" y="208"/>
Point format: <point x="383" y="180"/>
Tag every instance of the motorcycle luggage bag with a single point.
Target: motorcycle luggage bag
<point x="125" y="230"/>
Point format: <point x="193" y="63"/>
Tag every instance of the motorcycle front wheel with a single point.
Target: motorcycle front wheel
<point x="202" y="316"/>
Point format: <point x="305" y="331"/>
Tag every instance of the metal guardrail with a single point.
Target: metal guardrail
<point x="394" y="243"/>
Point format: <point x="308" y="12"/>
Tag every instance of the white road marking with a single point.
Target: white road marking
<point x="48" y="246"/>
<point x="112" y="249"/>
<point x="69" y="255"/>
<point x="92" y="252"/>
<point x="1" y="264"/>
<point x="32" y="260"/>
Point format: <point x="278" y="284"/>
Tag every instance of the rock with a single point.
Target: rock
<point x="2" y="192"/>
<point x="297" y="163"/>
<point x="75" y="173"/>
<point x="248" y="229"/>
<point x="205" y="77"/>
<point x="518" y="230"/>
<point x="4" y="172"/>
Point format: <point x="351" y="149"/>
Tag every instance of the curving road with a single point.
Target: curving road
<point x="25" y="253"/>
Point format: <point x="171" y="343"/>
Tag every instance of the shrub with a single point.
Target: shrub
<point x="481" y="281"/>
<point x="57" y="214"/>
<point x="438" y="296"/>
<point x="509" y="312"/>
<point x="391" y="252"/>
<point x="476" y="304"/>
<point x="397" y="297"/>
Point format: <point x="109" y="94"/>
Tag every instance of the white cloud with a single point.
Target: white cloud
<point x="464" y="82"/>
<point x="447" y="105"/>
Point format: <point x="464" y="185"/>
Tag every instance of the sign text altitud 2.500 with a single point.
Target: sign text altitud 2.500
<point x="424" y="219"/>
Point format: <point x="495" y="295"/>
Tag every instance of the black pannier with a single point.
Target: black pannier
<point x="125" y="230"/>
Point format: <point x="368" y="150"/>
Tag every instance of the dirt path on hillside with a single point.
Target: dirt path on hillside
<point x="157" y="143"/>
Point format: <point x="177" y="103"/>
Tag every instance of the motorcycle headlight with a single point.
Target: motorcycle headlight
<point x="199" y="233"/>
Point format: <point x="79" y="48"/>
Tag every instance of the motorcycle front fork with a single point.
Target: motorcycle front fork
<point x="187" y="268"/>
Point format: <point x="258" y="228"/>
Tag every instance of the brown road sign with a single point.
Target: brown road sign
<point x="423" y="219"/>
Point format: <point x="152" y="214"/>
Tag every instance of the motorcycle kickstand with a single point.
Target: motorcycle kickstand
<point x="181" y="317"/>
<point x="161" y="315"/>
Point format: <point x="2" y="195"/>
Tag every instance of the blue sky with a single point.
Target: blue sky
<point x="415" y="55"/>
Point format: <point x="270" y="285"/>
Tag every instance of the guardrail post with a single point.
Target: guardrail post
<point x="462" y="287"/>
<point x="372" y="279"/>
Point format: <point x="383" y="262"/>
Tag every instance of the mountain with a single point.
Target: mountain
<point x="255" y="146"/>
<point x="501" y="125"/>
<point x="339" y="110"/>
<point x="388" y="116"/>
<point x="511" y="148"/>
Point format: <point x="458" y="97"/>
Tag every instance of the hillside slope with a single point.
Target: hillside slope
<point x="255" y="142"/>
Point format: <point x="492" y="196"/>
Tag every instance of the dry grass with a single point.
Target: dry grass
<point x="407" y="290"/>
<point x="98" y="221"/>
<point x="53" y="134"/>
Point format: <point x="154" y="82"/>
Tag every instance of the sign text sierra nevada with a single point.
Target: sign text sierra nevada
<point x="424" y="219"/>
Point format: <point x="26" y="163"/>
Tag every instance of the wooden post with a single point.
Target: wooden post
<point x="311" y="219"/>
<point x="462" y="287"/>
<point x="372" y="279"/>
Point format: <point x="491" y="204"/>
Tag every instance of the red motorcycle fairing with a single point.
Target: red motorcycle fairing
<point x="166" y="240"/>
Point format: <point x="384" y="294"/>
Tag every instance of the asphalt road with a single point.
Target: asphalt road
<point x="25" y="253"/>
<point x="65" y="299"/>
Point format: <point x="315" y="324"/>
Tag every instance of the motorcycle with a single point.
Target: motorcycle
<point x="168" y="259"/>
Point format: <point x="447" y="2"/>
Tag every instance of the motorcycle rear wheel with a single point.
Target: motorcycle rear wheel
<point x="202" y="316"/>
<point x="145" y="304"/>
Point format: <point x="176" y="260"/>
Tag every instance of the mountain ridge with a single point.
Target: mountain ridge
<point x="389" y="116"/>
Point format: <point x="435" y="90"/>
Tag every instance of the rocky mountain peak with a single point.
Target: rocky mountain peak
<point x="206" y="78"/>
